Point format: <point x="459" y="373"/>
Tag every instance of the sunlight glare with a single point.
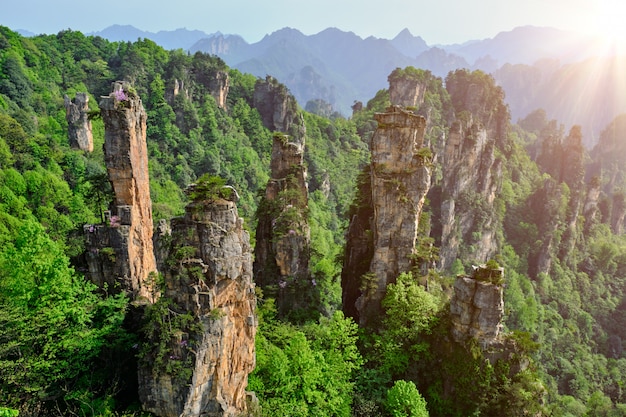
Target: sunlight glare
<point x="610" y="22"/>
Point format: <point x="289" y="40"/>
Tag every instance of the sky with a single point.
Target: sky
<point x="436" y="21"/>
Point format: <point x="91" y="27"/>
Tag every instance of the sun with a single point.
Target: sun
<point x="610" y="21"/>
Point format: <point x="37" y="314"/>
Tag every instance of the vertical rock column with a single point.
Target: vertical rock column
<point x="78" y="123"/>
<point x="400" y="178"/>
<point x="477" y="307"/>
<point x="282" y="251"/>
<point x="201" y="367"/>
<point x="283" y="237"/>
<point x="126" y="158"/>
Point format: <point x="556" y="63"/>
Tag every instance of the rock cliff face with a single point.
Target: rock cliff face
<point x="471" y="173"/>
<point x="406" y="92"/>
<point x="121" y="252"/>
<point x="278" y="109"/>
<point x="208" y="282"/>
<point x="78" y="123"/>
<point x="218" y="87"/>
<point x="560" y="202"/>
<point x="477" y="307"/>
<point x="399" y="180"/>
<point x="282" y="251"/>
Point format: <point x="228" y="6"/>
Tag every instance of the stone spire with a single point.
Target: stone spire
<point x="203" y="367"/>
<point x="121" y="252"/>
<point x="282" y="251"/>
<point x="477" y="307"/>
<point x="400" y="179"/>
<point x="78" y="123"/>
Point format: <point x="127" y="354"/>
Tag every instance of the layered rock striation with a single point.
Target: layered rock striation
<point x="121" y="251"/>
<point x="477" y="307"/>
<point x="471" y="171"/>
<point x="400" y="175"/>
<point x="78" y="123"/>
<point x="201" y="350"/>
<point x="282" y="252"/>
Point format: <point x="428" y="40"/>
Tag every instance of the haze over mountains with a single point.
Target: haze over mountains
<point x="565" y="73"/>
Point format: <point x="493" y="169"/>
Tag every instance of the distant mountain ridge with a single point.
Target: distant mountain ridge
<point x="532" y="64"/>
<point x="168" y="39"/>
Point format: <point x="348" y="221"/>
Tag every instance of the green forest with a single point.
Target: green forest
<point x="557" y="224"/>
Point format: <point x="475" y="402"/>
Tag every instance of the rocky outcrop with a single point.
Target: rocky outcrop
<point x="405" y="90"/>
<point x="399" y="179"/>
<point x="282" y="251"/>
<point x="198" y="363"/>
<point x="477" y="306"/>
<point x="547" y="202"/>
<point x="218" y="87"/>
<point x="278" y="109"/>
<point x="178" y="87"/>
<point x="471" y="172"/>
<point x="78" y="123"/>
<point x="121" y="251"/>
<point x="591" y="209"/>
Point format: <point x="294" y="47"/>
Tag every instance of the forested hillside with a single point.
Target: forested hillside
<point x="526" y="197"/>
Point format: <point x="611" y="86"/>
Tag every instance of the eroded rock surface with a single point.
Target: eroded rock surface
<point x="209" y="280"/>
<point x="121" y="251"/>
<point x="399" y="181"/>
<point x="78" y="123"/>
<point x="282" y="251"/>
<point x="477" y="307"/>
<point x="471" y="170"/>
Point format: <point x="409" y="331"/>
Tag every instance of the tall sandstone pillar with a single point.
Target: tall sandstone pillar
<point x="400" y="176"/>
<point x="199" y="366"/>
<point x="282" y="252"/>
<point x="400" y="179"/>
<point x="126" y="159"/>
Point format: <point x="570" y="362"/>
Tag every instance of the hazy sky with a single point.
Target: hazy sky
<point x="436" y="21"/>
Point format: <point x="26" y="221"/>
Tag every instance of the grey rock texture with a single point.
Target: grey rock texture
<point x="400" y="179"/>
<point x="78" y="123"/>
<point x="212" y="284"/>
<point x="477" y="309"/>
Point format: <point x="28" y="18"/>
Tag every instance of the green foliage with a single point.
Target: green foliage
<point x="409" y="310"/>
<point x="209" y="188"/>
<point x="305" y="372"/>
<point x="404" y="400"/>
<point x="54" y="328"/>
<point x="7" y="412"/>
<point x="168" y="341"/>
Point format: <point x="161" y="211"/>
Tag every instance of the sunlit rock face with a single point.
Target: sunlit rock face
<point x="477" y="307"/>
<point x="218" y="87"/>
<point x="78" y="123"/>
<point x="399" y="180"/>
<point x="471" y="172"/>
<point x="208" y="279"/>
<point x="120" y="252"/>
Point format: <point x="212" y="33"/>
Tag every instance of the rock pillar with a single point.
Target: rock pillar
<point x="202" y="348"/>
<point x="477" y="307"/>
<point x="78" y="123"/>
<point x="121" y="253"/>
<point x="400" y="179"/>
<point x="282" y="252"/>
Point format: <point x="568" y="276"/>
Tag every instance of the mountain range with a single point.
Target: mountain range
<point x="565" y="73"/>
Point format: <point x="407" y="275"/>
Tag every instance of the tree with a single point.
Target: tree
<point x="404" y="400"/>
<point x="53" y="326"/>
